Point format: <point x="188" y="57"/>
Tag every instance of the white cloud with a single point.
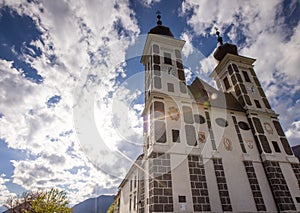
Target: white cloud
<point x="266" y="37"/>
<point x="83" y="46"/>
<point x="5" y="193"/>
<point x="149" y="3"/>
<point x="188" y="46"/>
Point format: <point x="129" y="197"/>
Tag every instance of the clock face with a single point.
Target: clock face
<point x="169" y="70"/>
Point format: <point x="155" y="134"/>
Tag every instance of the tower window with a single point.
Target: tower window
<point x="230" y="70"/>
<point x="276" y="147"/>
<point x="175" y="136"/>
<point x="170" y="87"/>
<point x="187" y="114"/>
<point x="239" y="78"/>
<point x="233" y="79"/>
<point x="157" y="82"/>
<point x="258" y="126"/>
<point x="181" y="75"/>
<point x="226" y="83"/>
<point x="156" y="59"/>
<point x="160" y="131"/>
<point x="286" y="146"/>
<point x="235" y="67"/>
<point x="246" y="76"/>
<point x="179" y="64"/>
<point x="248" y="101"/>
<point x="243" y="88"/>
<point x="167" y="58"/>
<point x="182" y="87"/>
<point x="199" y="119"/>
<point x="159" y="110"/>
<point x="257" y="103"/>
<point x="156" y="70"/>
<point x="265" y="144"/>
<point x="237" y="90"/>
<point x="278" y="128"/>
<point x="261" y="92"/>
<point x="190" y="135"/>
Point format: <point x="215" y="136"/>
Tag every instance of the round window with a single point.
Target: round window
<point x="243" y="125"/>
<point x="221" y="122"/>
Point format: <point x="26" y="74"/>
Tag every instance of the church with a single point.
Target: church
<point x="207" y="149"/>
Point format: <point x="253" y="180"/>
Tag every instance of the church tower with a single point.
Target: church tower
<point x="235" y="74"/>
<point x="207" y="149"/>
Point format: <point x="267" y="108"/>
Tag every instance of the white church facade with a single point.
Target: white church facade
<point x="207" y="149"/>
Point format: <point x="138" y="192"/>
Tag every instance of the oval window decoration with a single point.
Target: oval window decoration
<point x="221" y="122"/>
<point x="243" y="125"/>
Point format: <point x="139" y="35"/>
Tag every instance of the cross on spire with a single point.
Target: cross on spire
<point x="220" y="39"/>
<point x="159" y="22"/>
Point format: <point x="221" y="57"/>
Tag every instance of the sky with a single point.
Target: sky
<point x="71" y="82"/>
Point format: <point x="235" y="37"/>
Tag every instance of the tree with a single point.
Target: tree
<point x="40" y="202"/>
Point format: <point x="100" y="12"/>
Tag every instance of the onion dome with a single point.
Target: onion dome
<point x="160" y="29"/>
<point x="223" y="49"/>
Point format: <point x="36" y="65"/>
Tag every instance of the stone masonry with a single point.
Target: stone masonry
<point x="160" y="183"/>
<point x="281" y="193"/>
<point x="258" y="199"/>
<point x="198" y="184"/>
<point x="222" y="184"/>
<point x="296" y="169"/>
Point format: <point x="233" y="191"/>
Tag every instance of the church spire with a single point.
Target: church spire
<point x="159" y="28"/>
<point x="220" y="39"/>
<point x="159" y="22"/>
<point x="223" y="49"/>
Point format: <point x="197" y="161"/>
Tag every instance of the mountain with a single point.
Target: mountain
<point x="296" y="150"/>
<point x="94" y="205"/>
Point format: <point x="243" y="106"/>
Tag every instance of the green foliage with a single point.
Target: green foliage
<point x="40" y="202"/>
<point x="111" y="208"/>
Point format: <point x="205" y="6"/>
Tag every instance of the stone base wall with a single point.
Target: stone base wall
<point x="281" y="193"/>
<point x="222" y="185"/>
<point x="296" y="169"/>
<point x="160" y="183"/>
<point x="256" y="192"/>
<point x="198" y="184"/>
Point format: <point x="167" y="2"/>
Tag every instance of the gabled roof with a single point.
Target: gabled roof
<point x="135" y="165"/>
<point x="205" y="94"/>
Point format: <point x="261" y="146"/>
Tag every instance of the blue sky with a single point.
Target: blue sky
<point x="71" y="86"/>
